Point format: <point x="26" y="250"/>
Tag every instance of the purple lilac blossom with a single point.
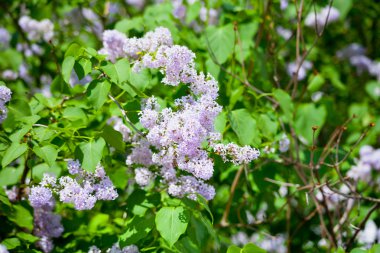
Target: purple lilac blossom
<point x="143" y="176"/>
<point x="5" y="38"/>
<point x="292" y="68"/>
<point x="326" y="16"/>
<point x="37" y="30"/>
<point x="3" y="249"/>
<point x="175" y="135"/>
<point x="284" y="144"/>
<point x="369" y="160"/>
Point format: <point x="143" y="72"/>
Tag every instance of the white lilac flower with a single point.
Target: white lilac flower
<point x="37" y="30"/>
<point x="284" y="144"/>
<point x="361" y="62"/>
<point x="238" y="155"/>
<point x="5" y="38"/>
<point x="374" y="70"/>
<point x="138" y="4"/>
<point x="369" y="160"/>
<point x="9" y="75"/>
<point x="240" y="239"/>
<point x="284" y="4"/>
<point x="113" y="42"/>
<point x="326" y="16"/>
<point x="369" y="234"/>
<point x="292" y="68"/>
<point x="316" y="96"/>
<point x="12" y="193"/>
<point x="94" y="249"/>
<point x="208" y="15"/>
<point x="3" y="249"/>
<point x="351" y="50"/>
<point x="143" y="176"/>
<point x="274" y="244"/>
<point x="116" y="249"/>
<point x="284" y="33"/>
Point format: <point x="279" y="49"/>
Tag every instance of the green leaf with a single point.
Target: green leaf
<point x="67" y="67"/>
<point x="92" y="153"/>
<point x="186" y="245"/>
<point x="98" y="223"/>
<point x="59" y="87"/>
<point x="48" y="153"/>
<point x="42" y="168"/>
<point x="74" y="114"/>
<point x="252" y="248"/>
<point x="375" y="249"/>
<point x="171" y="222"/>
<point x="97" y="92"/>
<point x="113" y="138"/>
<point x="4" y="198"/>
<point x="373" y="89"/>
<point x="136" y="229"/>
<point x="125" y="25"/>
<point x="307" y="116"/>
<point x="10" y="176"/>
<point x="27" y="237"/>
<point x="11" y="243"/>
<point x="268" y="127"/>
<point x="285" y="102"/>
<point x="74" y="50"/>
<point x="123" y="70"/>
<point x="221" y="42"/>
<point x="82" y="67"/>
<point x="343" y="6"/>
<point x="13" y="152"/>
<point x="22" y="217"/>
<point x="315" y="83"/>
<point x="358" y="250"/>
<point x="193" y="12"/>
<point x="244" y="125"/>
<point x="234" y="249"/>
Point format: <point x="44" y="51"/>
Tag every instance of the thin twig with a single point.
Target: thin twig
<point x="224" y="221"/>
<point x="125" y="115"/>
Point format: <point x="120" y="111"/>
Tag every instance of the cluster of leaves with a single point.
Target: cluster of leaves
<point x="262" y="103"/>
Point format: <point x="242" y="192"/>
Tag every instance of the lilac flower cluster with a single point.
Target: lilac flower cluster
<point x="3" y="249"/>
<point x="116" y="249"/>
<point x="238" y="155"/>
<point x="326" y="16"/>
<point x="113" y="44"/>
<point x="209" y="16"/>
<point x="292" y="68"/>
<point x="86" y="188"/>
<point x="37" y="30"/>
<point x="369" y="160"/>
<point x="284" y="144"/>
<point x="47" y="225"/>
<point x="5" y="96"/>
<point x="369" y="235"/>
<point x="355" y="53"/>
<point x="175" y="134"/>
<point x="272" y="244"/>
<point x="5" y="38"/>
<point x="83" y="191"/>
<point x="138" y="4"/>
